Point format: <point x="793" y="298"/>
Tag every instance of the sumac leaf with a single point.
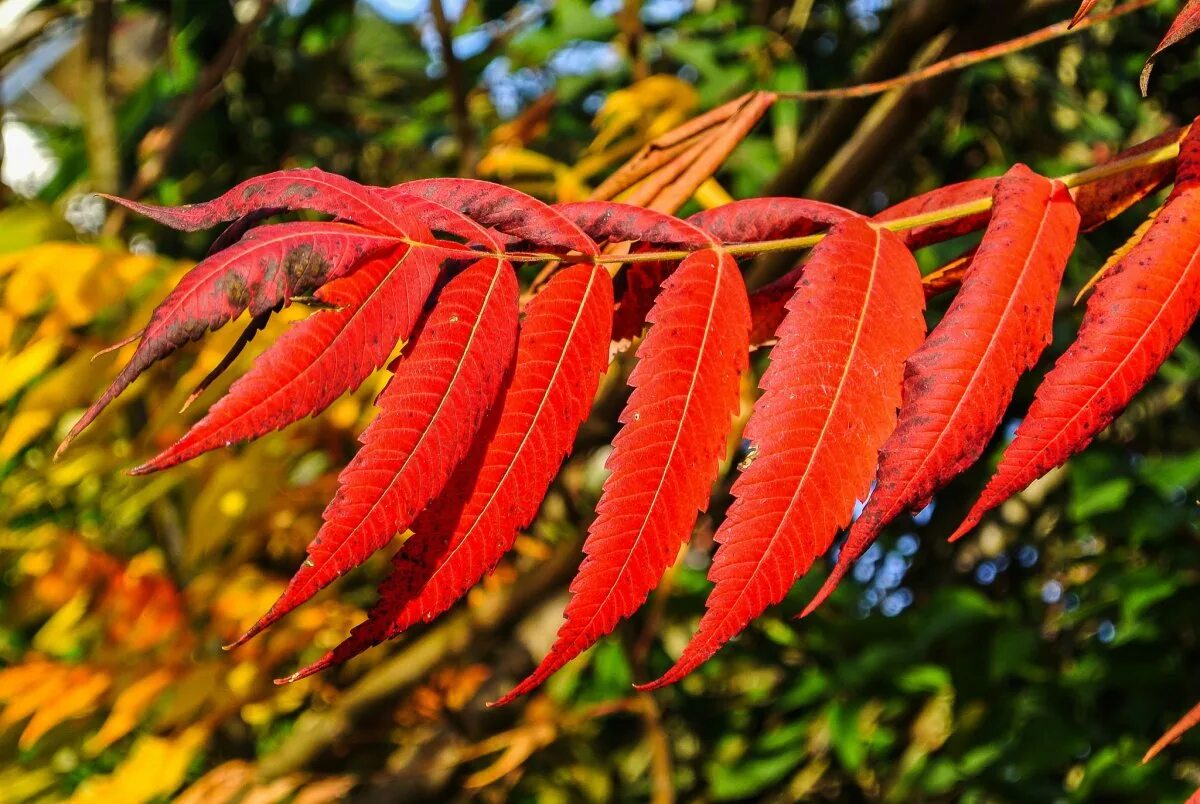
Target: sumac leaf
<point x="498" y="488"/>
<point x="958" y="384"/>
<point x="829" y="401"/>
<point x="429" y="414"/>
<point x="665" y="458"/>
<point x="1138" y="314"/>
<point x="265" y="269"/>
<point x="320" y="358"/>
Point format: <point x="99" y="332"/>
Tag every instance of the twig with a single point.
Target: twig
<point x="208" y="88"/>
<point x="456" y="84"/>
<point x="964" y="60"/>
<point x="99" y="122"/>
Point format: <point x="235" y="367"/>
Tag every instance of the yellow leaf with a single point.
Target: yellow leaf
<point x="128" y="710"/>
<point x="325" y="791"/>
<point x="19" y="785"/>
<point x="508" y="162"/>
<point x="8" y="323"/>
<point x="60" y="635"/>
<point x="221" y="785"/>
<point x="155" y="767"/>
<point x="80" y="696"/>
<point x="711" y="194"/>
<point x="17" y="370"/>
<point x="18" y="680"/>
<point x="648" y="108"/>
<point x="24" y="427"/>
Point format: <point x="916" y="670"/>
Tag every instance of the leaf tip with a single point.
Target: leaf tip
<point x="246" y="637"/>
<point x="1144" y="80"/>
<point x="304" y="672"/>
<point x="831" y="583"/>
<point x="966" y="527"/>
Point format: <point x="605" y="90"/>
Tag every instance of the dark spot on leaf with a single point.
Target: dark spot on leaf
<point x="305" y="269"/>
<point x="299" y="191"/>
<point x="235" y="291"/>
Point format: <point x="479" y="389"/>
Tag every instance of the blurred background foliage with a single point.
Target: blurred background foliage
<point x="1034" y="662"/>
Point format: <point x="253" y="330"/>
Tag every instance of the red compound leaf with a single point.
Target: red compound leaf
<point x="498" y="488"/>
<point x="429" y="415"/>
<point x="328" y="354"/>
<point x="665" y="458"/>
<point x="263" y="271"/>
<point x="829" y="402"/>
<point x="960" y="381"/>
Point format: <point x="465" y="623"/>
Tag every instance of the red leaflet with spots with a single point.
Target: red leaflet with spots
<point x="263" y="271"/>
<point x="320" y="358"/>
<point x="429" y="414"/>
<point x="302" y="188"/>
<point x="504" y="209"/>
<point x="665" y="458"/>
<point x="943" y="198"/>
<point x="829" y="401"/>
<point x="960" y="381"/>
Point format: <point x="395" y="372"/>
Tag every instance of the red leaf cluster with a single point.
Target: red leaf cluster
<point x="486" y="397"/>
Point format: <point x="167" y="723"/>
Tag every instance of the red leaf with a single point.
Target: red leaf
<point x="1138" y="314"/>
<point x="318" y="359"/>
<point x="768" y="304"/>
<point x="429" y="414"/>
<point x="829" y="401"/>
<point x="1101" y="201"/>
<point x="1186" y="23"/>
<point x="502" y="208"/>
<point x="638" y="284"/>
<point x="665" y="458"/>
<point x="265" y="269"/>
<point x="1084" y="8"/>
<point x="611" y="222"/>
<point x="756" y="219"/>
<point x="769" y="219"/>
<point x="1190" y="721"/>
<point x="307" y="188"/>
<point x="498" y="488"/>
<point x="960" y="381"/>
<point x="638" y="287"/>
<point x="942" y="198"/>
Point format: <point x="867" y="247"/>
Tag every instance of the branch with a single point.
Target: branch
<point x="458" y="90"/>
<point x="99" y="122"/>
<point x="969" y="59"/>
<point x="208" y="88"/>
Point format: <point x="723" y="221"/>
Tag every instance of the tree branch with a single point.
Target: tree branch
<point x="99" y="121"/>
<point x="456" y="83"/>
